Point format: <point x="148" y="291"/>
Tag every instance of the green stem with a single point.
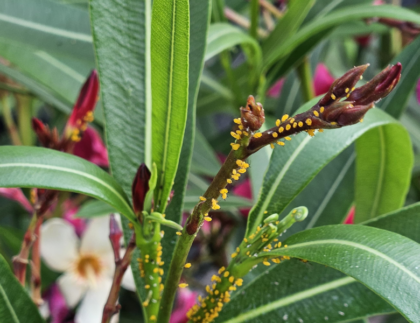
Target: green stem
<point x="254" y="13"/>
<point x="10" y="124"/>
<point x="24" y="106"/>
<point x="305" y="76"/>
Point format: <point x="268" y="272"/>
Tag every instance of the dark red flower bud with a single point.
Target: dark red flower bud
<point x="43" y="132"/>
<point x="343" y="85"/>
<point x="252" y="116"/>
<point x="378" y="87"/>
<point x="83" y="109"/>
<point x="140" y="188"/>
<point x="353" y="115"/>
<point x="115" y="235"/>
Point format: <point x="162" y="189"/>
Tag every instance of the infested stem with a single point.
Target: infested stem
<point x="121" y="265"/>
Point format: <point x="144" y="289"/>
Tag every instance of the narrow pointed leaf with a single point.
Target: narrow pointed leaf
<point x="46" y="168"/>
<point x="170" y="50"/>
<point x="385" y="262"/>
<point x="383" y="171"/>
<point x="15" y="304"/>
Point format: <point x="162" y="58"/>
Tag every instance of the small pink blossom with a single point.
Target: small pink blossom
<point x="322" y="79"/>
<point x="70" y="211"/>
<point x="92" y="148"/>
<point x="17" y="195"/>
<point x="186" y="299"/>
<point x="275" y="90"/>
<point x="350" y="216"/>
<point x="57" y="304"/>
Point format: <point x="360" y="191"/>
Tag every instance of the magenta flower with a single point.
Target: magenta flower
<point x="17" y="195"/>
<point x="186" y="299"/>
<point x="275" y="90"/>
<point x="350" y="216"/>
<point x="322" y="79"/>
<point x="56" y="304"/>
<point x="92" y="148"/>
<point x="70" y="211"/>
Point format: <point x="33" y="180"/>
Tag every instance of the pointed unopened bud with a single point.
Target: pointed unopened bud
<point x="332" y="113"/>
<point x="83" y="109"/>
<point x="353" y="115"/>
<point x="115" y="235"/>
<point x="42" y="132"/>
<point x="343" y="85"/>
<point x="377" y="88"/>
<point x="252" y="116"/>
<point x="140" y="188"/>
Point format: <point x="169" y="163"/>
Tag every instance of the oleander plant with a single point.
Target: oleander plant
<point x="220" y="161"/>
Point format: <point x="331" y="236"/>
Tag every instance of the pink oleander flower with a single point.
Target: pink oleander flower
<point x="56" y="305"/>
<point x="275" y="90"/>
<point x="322" y="79"/>
<point x="186" y="299"/>
<point x="92" y="148"/>
<point x="17" y="195"/>
<point x="87" y="265"/>
<point x="350" y="216"/>
<point x="70" y="210"/>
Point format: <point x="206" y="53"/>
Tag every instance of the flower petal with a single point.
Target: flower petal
<point x="128" y="280"/>
<point x="90" y="310"/>
<point x="59" y="244"/>
<point x="72" y="289"/>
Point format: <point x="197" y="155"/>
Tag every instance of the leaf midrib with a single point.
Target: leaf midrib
<point x="379" y="185"/>
<point x="9" y="306"/>
<point x="169" y="111"/>
<point x="47" y="29"/>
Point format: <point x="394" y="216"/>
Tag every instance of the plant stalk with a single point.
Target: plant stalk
<point x="36" y="266"/>
<point x="255" y="14"/>
<point x="305" y="76"/>
<point x="24" y="107"/>
<point x="10" y="124"/>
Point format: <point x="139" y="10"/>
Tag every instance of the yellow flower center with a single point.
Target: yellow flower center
<point x="89" y="267"/>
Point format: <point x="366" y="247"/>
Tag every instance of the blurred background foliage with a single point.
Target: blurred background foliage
<point x="46" y="53"/>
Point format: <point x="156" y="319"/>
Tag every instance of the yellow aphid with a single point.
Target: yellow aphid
<point x="321" y="130"/>
<point x="239" y="162"/>
<point x="280" y="143"/>
<point x="333" y="123"/>
<point x="333" y="97"/>
<point x="274" y="134"/>
<point x="245" y="240"/>
<point x="281" y="129"/>
<point x="288" y="138"/>
<point x="214" y="205"/>
<point x="231" y="279"/>
<point x="234" y="171"/>
<point x="272" y="146"/>
<point x="245" y="133"/>
<point x="239" y="282"/>
<point x="187" y="265"/>
<point x="235" y="146"/>
<point x="236" y="177"/>
<point x="278" y="122"/>
<point x="352" y="89"/>
<point x="311" y="132"/>
<point x="242" y="170"/>
<point x="347" y="90"/>
<point x="202" y="198"/>
<point x="234" y="255"/>
<point x="179" y="233"/>
<point x="300" y="124"/>
<point x="239" y="132"/>
<point x="222" y="269"/>
<point x="183" y="285"/>
<point x="288" y="127"/>
<point x="234" y="135"/>
<point x="226" y="274"/>
<point x="276" y="260"/>
<point x="245" y="165"/>
<point x="316" y="114"/>
<point x="207" y="218"/>
<point x="294" y="125"/>
<point x="266" y="263"/>
<point x="361" y="120"/>
<point x="241" y="127"/>
<point x="232" y="288"/>
<point x="223" y="191"/>
<point x="321" y="109"/>
<point x="229" y="181"/>
<point x="153" y="318"/>
<point x="285" y="117"/>
<point x="308" y="121"/>
<point x="257" y="135"/>
<point x="237" y="120"/>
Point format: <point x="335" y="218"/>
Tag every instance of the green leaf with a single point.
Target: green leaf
<point x="397" y="100"/>
<point x="15" y="303"/>
<point x="125" y="78"/>
<point x="291" y="170"/>
<point x="368" y="255"/>
<point x="199" y="23"/>
<point x="314" y="292"/>
<point x="47" y="25"/>
<point x="50" y="169"/>
<point x="336" y="18"/>
<point x="92" y="209"/>
<point x="287" y="26"/>
<point x="383" y="171"/>
<point x="125" y="83"/>
<point x="43" y="93"/>
<point x="170" y="48"/>
<point x="223" y="36"/>
<point x="204" y="159"/>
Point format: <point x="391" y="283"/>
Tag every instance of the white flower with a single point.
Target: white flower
<point x="87" y="265"/>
